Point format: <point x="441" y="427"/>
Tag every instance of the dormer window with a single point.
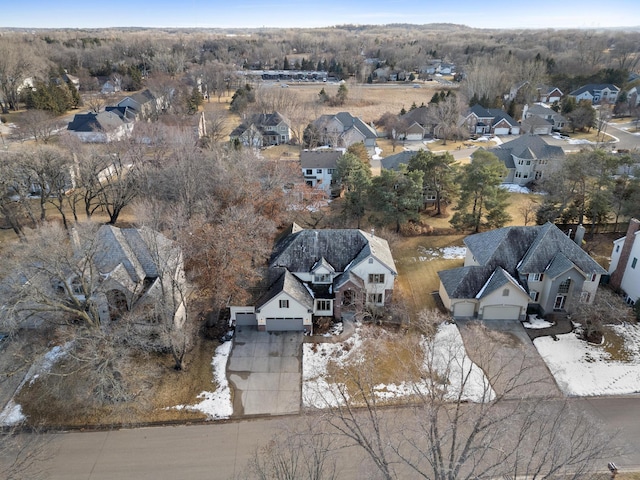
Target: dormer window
<point x="322" y="278"/>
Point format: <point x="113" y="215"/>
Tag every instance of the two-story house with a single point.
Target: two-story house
<point x="624" y="268"/>
<point x="319" y="166"/>
<point x="510" y="270"/>
<point x="489" y="121"/>
<point x="555" y="120"/>
<point x="527" y="158"/>
<point x="597" y="93"/>
<point x="321" y="273"/>
<point x="343" y="130"/>
<point x="263" y="129"/>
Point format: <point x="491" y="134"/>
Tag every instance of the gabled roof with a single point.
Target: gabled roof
<point x="593" y="87"/>
<point x="342" y="248"/>
<point x="479" y="111"/>
<point x="511" y="253"/>
<point x="536" y="121"/>
<point x="498" y="279"/>
<point x="528" y="144"/>
<point x="95" y="122"/>
<point x="393" y="162"/>
<point x="348" y="122"/>
<point x="499" y="114"/>
<point x="320" y="158"/>
<point x="537" y="109"/>
<point x="132" y="248"/>
<point x="419" y="115"/>
<point x="289" y="284"/>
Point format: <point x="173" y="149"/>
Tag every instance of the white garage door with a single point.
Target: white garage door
<point x="501" y="313"/>
<point x="501" y="131"/>
<point x="464" y="310"/>
<point x="284" y="324"/>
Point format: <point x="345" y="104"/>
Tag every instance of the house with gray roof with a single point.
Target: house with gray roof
<point x="510" y="271"/>
<point x="139" y="269"/>
<point x="343" y="130"/>
<point x="103" y="127"/>
<point x="489" y="121"/>
<point x="597" y="93"/>
<point x="555" y="119"/>
<point x="145" y="104"/>
<point x="262" y="130"/>
<point x="527" y="158"/>
<point x="318" y="167"/>
<point x="321" y="273"/>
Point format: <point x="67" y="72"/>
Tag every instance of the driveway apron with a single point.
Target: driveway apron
<point x="264" y="371"/>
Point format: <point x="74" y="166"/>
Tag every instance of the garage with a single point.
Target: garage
<point x="284" y="324"/>
<point x="246" y="318"/>
<point x="464" y="310"/>
<point x="501" y="131"/>
<point x="506" y="312"/>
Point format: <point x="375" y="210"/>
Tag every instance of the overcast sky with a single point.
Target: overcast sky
<point x="306" y="13"/>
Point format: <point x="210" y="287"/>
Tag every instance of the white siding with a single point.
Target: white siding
<point x="272" y="309"/>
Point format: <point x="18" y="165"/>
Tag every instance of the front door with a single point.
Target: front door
<point x="559" y="303"/>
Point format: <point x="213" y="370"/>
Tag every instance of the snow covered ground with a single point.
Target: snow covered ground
<point x="448" y="355"/>
<point x="581" y="369"/>
<point x="448" y="253"/>
<point x="216" y="405"/>
<point x="536" y="323"/>
<point x="513" y="188"/>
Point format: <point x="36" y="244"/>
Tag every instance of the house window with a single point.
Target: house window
<point x="318" y="170"/>
<point x="331" y="171"/>
<point x="534" y="295"/>
<point x="370" y="260"/>
<point x="374" y="298"/>
<point x="585" y="297"/>
<point x="505" y="292"/>
<point x="538" y="175"/>
<point x="528" y="162"/>
<point x="284" y="303"/>
<point x="617" y="248"/>
<point x="633" y="264"/>
<point x="323" y="305"/>
<point x="376" y="278"/>
<point x="520" y="162"/>
<point x="322" y="278"/>
<point x="536" y="277"/>
<point x="309" y="171"/>
<point x="518" y="174"/>
<point x="564" y="286"/>
<point x="594" y="276"/>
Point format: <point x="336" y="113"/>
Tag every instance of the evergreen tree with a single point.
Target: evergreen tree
<point x="396" y="197"/>
<point x="439" y="174"/>
<point x="353" y="179"/>
<point x="343" y="93"/>
<point x="285" y="64"/>
<point x="482" y="202"/>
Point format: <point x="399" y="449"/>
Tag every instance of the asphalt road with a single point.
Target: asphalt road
<point x="222" y="450"/>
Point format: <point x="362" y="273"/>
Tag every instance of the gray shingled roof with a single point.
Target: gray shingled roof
<point x="519" y="251"/>
<point x="591" y="87"/>
<point x="300" y="251"/>
<point x="393" y="162"/>
<point x="289" y="284"/>
<point x="95" y="122"/>
<point x="320" y="158"/>
<point x="534" y="143"/>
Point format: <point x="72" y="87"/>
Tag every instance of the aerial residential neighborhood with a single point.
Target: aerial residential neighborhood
<point x="341" y="250"/>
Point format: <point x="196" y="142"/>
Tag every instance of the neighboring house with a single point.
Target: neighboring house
<point x="511" y="270"/>
<point x="536" y="125"/>
<point x="513" y="91"/>
<point x="556" y="120"/>
<point x="633" y="97"/>
<point x="111" y="86"/>
<point x="547" y="94"/>
<point x="318" y="167"/>
<point x="490" y="121"/>
<point x="263" y="130"/>
<point x="422" y="117"/>
<point x="139" y="269"/>
<point x="527" y="158"/>
<point x="321" y="273"/>
<point x="343" y="130"/>
<point x="624" y="268"/>
<point x="145" y="104"/>
<point x="597" y="93"/>
<point x="415" y="132"/>
<point x="100" y="127"/>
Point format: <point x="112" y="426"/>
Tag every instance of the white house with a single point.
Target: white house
<point x="624" y="268"/>
<point x="321" y="273"/>
<point x="319" y="166"/>
<point x="103" y="127"/>
<point x="597" y="93"/>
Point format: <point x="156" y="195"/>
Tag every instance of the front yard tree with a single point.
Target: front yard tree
<point x="439" y="173"/>
<point x="396" y="197"/>
<point x="394" y="126"/>
<point x="583" y="117"/>
<point x="353" y="178"/>
<point x="446" y="115"/>
<point x="482" y="201"/>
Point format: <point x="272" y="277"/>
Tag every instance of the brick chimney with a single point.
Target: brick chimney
<point x="616" y="276"/>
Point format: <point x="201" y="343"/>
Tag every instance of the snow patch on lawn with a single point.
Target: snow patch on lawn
<point x="448" y="253"/>
<point x="579" y="141"/>
<point x="513" y="188"/>
<point x="582" y="369"/>
<point x="536" y="323"/>
<point x="445" y="354"/>
<point x="11" y="414"/>
<point x="216" y="405"/>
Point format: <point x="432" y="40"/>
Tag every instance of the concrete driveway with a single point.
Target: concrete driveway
<point x="265" y="372"/>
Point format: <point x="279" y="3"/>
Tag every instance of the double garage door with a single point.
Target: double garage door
<point x="501" y="313"/>
<point x="284" y="324"/>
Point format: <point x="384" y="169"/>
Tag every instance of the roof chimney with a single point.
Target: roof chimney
<point x="579" y="236"/>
